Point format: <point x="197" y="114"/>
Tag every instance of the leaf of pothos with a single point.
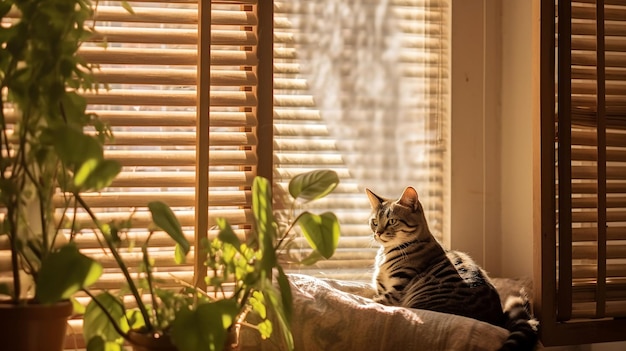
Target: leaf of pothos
<point x="205" y="328"/>
<point x="165" y="219"/>
<point x="96" y="174"/>
<point x="96" y="324"/>
<point x="73" y="146"/>
<point x="320" y="231"/>
<point x="314" y="184"/>
<point x="312" y="258"/>
<point x="63" y="273"/>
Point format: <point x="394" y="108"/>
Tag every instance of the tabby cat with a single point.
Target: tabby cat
<point x="413" y="270"/>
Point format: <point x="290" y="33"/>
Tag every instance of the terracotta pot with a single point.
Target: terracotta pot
<point x="34" y="327"/>
<point x="147" y="342"/>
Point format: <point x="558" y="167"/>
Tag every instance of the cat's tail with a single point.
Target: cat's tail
<point x="520" y="323"/>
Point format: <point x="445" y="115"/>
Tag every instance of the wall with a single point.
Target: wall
<point x="474" y="202"/>
<point x="491" y="150"/>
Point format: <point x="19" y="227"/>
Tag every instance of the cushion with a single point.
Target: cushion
<point x="340" y="315"/>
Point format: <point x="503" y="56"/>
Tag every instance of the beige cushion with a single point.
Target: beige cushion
<point x="339" y="315"/>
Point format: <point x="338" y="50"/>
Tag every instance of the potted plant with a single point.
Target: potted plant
<point x="49" y="145"/>
<point x="192" y="319"/>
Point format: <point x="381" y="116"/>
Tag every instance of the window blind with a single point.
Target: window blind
<point x="361" y="88"/>
<point x="582" y="295"/>
<point x="185" y="135"/>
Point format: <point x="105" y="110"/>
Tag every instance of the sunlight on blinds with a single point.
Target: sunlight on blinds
<point x="360" y="87"/>
<point x="147" y="66"/>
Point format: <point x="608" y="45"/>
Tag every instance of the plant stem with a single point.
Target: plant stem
<point x="108" y="315"/>
<point x="146" y="262"/>
<point x="131" y="284"/>
<point x="284" y="236"/>
<point x="17" y="286"/>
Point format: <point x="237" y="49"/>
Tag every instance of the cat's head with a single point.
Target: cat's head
<point x="395" y="222"/>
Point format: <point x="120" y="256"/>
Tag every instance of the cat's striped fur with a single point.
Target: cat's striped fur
<point x="413" y="270"/>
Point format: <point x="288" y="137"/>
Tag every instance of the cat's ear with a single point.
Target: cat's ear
<point x="409" y="198"/>
<point x="375" y="200"/>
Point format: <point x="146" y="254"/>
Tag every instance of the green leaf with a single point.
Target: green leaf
<point x="262" y="206"/>
<point x="96" y="324"/>
<point x="96" y="343"/>
<point x="265" y="328"/>
<point x="64" y="272"/>
<point x="73" y="146"/>
<point x="320" y="231"/>
<point x="165" y="219"/>
<point x="265" y="222"/>
<point x="74" y="105"/>
<point x="313" y="185"/>
<point x="313" y="257"/>
<point x="257" y="302"/>
<point x="77" y="307"/>
<point x="227" y="234"/>
<point x="96" y="174"/>
<point x="179" y="254"/>
<point x="285" y="293"/>
<point x="205" y="328"/>
<point x="281" y="310"/>
<point x="128" y="7"/>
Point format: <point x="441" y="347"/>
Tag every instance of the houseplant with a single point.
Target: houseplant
<point x="48" y="142"/>
<point x="207" y="320"/>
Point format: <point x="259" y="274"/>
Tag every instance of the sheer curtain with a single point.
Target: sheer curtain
<point x="361" y="87"/>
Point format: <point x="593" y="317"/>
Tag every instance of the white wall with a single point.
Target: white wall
<point x="516" y="116"/>
<point x="474" y="195"/>
<point x="491" y="147"/>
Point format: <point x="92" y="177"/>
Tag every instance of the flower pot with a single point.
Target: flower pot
<point x="34" y="327"/>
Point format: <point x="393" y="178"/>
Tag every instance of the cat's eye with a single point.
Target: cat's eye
<point x="392" y="221"/>
<point x="374" y="223"/>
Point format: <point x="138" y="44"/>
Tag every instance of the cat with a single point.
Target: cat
<point x="413" y="270"/>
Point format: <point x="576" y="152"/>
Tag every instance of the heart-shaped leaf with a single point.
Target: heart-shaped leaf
<point x="96" y="174"/>
<point x="205" y="328"/>
<point x="64" y="272"/>
<point x="73" y="146"/>
<point x="96" y="324"/>
<point x="320" y="231"/>
<point x="313" y="185"/>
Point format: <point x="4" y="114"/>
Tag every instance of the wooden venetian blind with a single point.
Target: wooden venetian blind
<point x="181" y="98"/>
<point x="582" y="297"/>
<point x="149" y="64"/>
<point x="360" y="88"/>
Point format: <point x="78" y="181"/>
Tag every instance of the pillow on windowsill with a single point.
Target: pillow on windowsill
<point x="340" y="315"/>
